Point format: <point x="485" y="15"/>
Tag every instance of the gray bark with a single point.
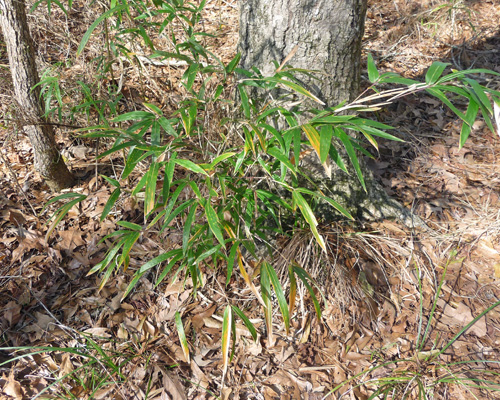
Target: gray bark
<point x="21" y="51"/>
<point x="328" y="34"/>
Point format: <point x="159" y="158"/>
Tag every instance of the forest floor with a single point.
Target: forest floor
<point x="386" y="276"/>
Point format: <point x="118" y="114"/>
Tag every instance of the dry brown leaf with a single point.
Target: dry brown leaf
<point x="66" y="366"/>
<point x="173" y="387"/>
<point x="13" y="388"/>
<point x="12" y="312"/>
<point x="199" y="377"/>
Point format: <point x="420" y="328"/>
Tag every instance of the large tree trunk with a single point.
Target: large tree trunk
<point x="328" y="36"/>
<point x="20" y="47"/>
<point x="327" y="32"/>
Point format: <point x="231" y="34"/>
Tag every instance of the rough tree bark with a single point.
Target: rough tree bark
<point x="48" y="161"/>
<point x="328" y="34"/>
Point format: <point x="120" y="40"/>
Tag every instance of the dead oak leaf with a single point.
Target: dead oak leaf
<point x="71" y="239"/>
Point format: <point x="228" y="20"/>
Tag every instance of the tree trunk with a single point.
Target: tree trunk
<point x="328" y="36"/>
<point x="21" y="50"/>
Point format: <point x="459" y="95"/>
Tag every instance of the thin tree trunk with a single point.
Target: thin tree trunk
<point x="21" y="50"/>
<point x="327" y="35"/>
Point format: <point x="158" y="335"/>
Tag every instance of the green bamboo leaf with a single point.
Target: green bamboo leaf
<point x="460" y="74"/>
<point x="440" y="95"/>
<point x="233" y="63"/>
<point x="346" y="141"/>
<point x="265" y="287"/>
<point x="309" y="217"/>
<point x="481" y="94"/>
<point x="64" y="197"/>
<point x="187" y="227"/>
<point x="108" y="259"/>
<point x="230" y="262"/>
<point x="470" y="116"/>
<point x="279" y="294"/>
<point x="295" y="87"/>
<point x="169" y="266"/>
<point x="213" y="222"/>
<point x="244" y="101"/>
<point x="221" y="158"/>
<point x="337" y="159"/>
<point x="373" y="73"/>
<point x="101" y="18"/>
<point x="392" y="77"/>
<point x="165" y="55"/>
<point x="434" y="72"/>
<point x="207" y="253"/>
<point x="146" y="267"/>
<point x="182" y="336"/>
<point x="330" y="201"/>
<point x="305" y="278"/>
<point x="276" y="153"/>
<point x="314" y="138"/>
<point x="62" y="211"/>
<point x="150" y="192"/>
<point x="170" y="216"/>
<point x="227" y="322"/>
<point x="110" y="203"/>
<point x="325" y="141"/>
<point x="135" y="116"/>
<point x="129" y="242"/>
<point x="190" y="166"/>
<point x="246" y="321"/>
<point x="293" y="290"/>
<point x="130" y="225"/>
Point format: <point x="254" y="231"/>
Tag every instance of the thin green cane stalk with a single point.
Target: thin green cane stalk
<point x="434" y="303"/>
<point x="466" y="327"/>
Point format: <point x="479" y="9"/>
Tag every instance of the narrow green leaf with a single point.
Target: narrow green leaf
<point x="182" y="336"/>
<point x="309" y="217"/>
<point x="130" y="225"/>
<point x="244" y="101"/>
<point x="325" y="141"/>
<point x="295" y="87"/>
<point x="233" y="63"/>
<point x="190" y="166"/>
<point x="346" y="141"/>
<point x="373" y="73"/>
<point x="470" y="116"/>
<point x="306" y="278"/>
<point x="213" y="222"/>
<point x="293" y="290"/>
<point x="230" y="262"/>
<point x="434" y="72"/>
<point x="101" y="18"/>
<point x="187" y="227"/>
<point x="169" y="266"/>
<point x="207" y="253"/>
<point x="440" y="95"/>
<point x="280" y="295"/>
<point x="150" y="192"/>
<point x="276" y="153"/>
<point x="246" y="321"/>
<point x="481" y="94"/>
<point x="330" y="201"/>
<point x="221" y="158"/>
<point x="227" y="322"/>
<point x="127" y="247"/>
<point x="110" y="203"/>
<point x="265" y="286"/>
<point x="61" y="213"/>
